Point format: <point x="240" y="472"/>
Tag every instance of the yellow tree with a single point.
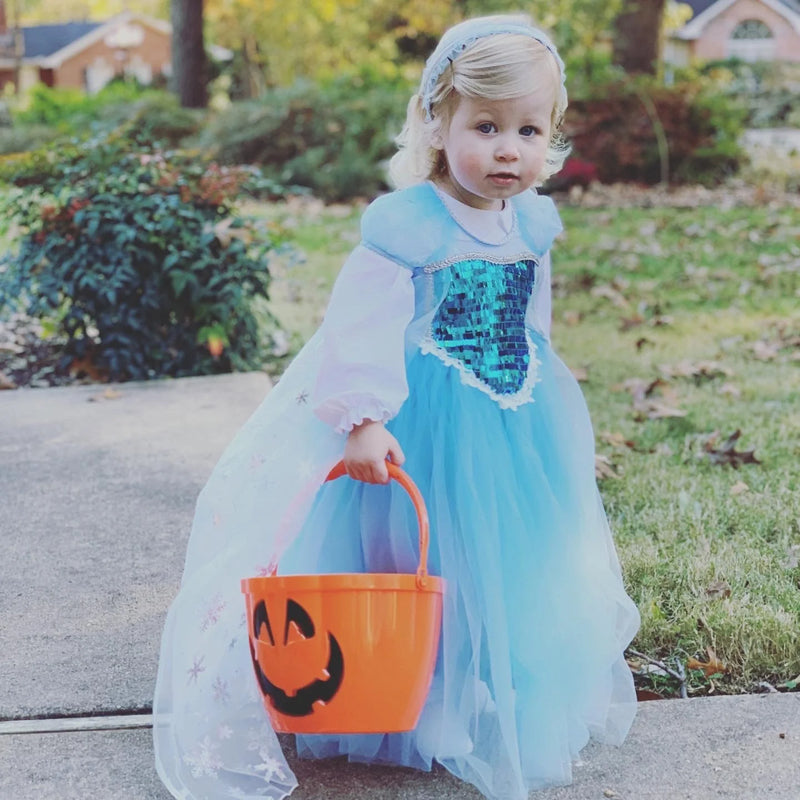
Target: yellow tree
<point x="35" y="12"/>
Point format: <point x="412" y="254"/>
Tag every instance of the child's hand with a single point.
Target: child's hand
<point x="365" y="453"/>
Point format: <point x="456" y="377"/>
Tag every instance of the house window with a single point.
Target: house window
<point x="751" y="29"/>
<point x="751" y="40"/>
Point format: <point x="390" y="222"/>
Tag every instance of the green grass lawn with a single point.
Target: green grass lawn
<point x="685" y="325"/>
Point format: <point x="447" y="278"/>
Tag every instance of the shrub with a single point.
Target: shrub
<point x="139" y="257"/>
<point x="156" y="114"/>
<point x="636" y="130"/>
<point x="331" y="138"/>
<point x="24" y="138"/>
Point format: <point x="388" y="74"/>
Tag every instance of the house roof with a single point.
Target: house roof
<point x="51" y="45"/>
<point x="707" y="10"/>
<point x="699" y="6"/>
<point x="44" y="40"/>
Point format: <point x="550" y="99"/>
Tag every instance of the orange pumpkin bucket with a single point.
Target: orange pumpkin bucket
<point x="347" y="653"/>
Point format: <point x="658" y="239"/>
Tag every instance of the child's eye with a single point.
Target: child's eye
<point x="486" y="127"/>
<point x="528" y="130"/>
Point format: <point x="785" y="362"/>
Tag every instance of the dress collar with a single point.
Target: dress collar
<point x="489" y="227"/>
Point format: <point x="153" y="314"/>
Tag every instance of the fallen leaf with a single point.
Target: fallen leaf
<point x="6" y="382"/>
<point x="719" y="589"/>
<point x="730" y="390"/>
<point x="643" y="695"/>
<point x="695" y="369"/>
<point x="603" y="468"/>
<point x="727" y="452"/>
<point x="740" y="487"/>
<point x="610" y="293"/>
<point x="580" y="374"/>
<point x="764" y="351"/>
<point x="626" y="323"/>
<point x="711" y="667"/>
<point x="107" y="394"/>
<point x="617" y="440"/>
<point x="572" y="318"/>
<point x="642" y="341"/>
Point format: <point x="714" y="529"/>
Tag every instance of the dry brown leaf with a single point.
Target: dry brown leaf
<point x="603" y="468"/>
<point x="711" y="667"/>
<point x="580" y="374"/>
<point x="727" y="453"/>
<point x="695" y="369"/>
<point x="719" y="589"/>
<point x="653" y="409"/>
<point x="616" y="439"/>
<point x="6" y="382"/>
<point x="626" y="323"/>
<point x="740" y="487"/>
<point x="610" y="293"/>
<point x="642" y="341"/>
<point x="107" y="394"/>
<point x="764" y="351"/>
<point x="730" y="390"/>
<point x="572" y="318"/>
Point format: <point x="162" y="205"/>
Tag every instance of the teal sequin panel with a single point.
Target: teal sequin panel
<point x="481" y="321"/>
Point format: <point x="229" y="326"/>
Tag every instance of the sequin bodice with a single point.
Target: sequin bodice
<point x="479" y="327"/>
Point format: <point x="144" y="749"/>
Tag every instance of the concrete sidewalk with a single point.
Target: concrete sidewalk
<point x="97" y="489"/>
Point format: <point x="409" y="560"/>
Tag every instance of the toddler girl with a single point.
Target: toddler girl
<point x="435" y="351"/>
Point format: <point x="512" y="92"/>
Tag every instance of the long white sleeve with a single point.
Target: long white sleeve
<point x="363" y="366"/>
<point x="541" y="308"/>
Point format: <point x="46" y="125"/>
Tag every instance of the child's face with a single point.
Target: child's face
<point x="496" y="148"/>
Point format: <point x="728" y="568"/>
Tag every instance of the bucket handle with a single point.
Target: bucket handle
<point x="404" y="479"/>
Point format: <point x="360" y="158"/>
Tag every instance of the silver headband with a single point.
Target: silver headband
<point x="461" y="36"/>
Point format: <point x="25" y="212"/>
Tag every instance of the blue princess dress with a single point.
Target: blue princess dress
<point x="438" y="325"/>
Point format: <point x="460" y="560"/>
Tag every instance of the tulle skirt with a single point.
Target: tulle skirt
<point x="535" y="617"/>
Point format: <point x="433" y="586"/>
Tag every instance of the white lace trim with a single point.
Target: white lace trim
<point x="505" y="261"/>
<point x="507" y="401"/>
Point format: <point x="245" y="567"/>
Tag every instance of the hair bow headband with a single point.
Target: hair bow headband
<point x="461" y="36"/>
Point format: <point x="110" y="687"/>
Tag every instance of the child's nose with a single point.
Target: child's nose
<point x="506" y="149"/>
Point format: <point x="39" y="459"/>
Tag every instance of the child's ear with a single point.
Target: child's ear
<point x="437" y="138"/>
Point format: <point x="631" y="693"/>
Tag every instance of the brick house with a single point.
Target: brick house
<point x="752" y="30"/>
<point x="85" y="55"/>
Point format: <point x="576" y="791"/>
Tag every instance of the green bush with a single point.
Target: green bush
<point x="766" y="92"/>
<point x="331" y="138"/>
<point x="157" y="115"/>
<point x="140" y="258"/>
<point x="636" y="130"/>
<point x="22" y="139"/>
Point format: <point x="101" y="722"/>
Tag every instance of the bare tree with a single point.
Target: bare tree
<point x="637" y="35"/>
<point x="189" y="65"/>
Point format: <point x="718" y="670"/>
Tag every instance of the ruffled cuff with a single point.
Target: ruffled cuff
<point x="344" y="412"/>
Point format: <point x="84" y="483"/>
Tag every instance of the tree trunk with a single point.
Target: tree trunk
<point x="637" y="36"/>
<point x="189" y="67"/>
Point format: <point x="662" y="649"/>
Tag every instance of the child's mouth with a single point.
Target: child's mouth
<point x="502" y="178"/>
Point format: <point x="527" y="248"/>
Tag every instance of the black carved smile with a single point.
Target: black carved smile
<point x="300" y="704"/>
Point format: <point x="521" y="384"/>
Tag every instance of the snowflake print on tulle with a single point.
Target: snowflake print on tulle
<point x="232" y="644"/>
<point x="204" y="760"/>
<point x="302" y="398"/>
<point x="214" y="612"/>
<point x="195" y="670"/>
<point x="221" y="693"/>
<point x="224" y="732"/>
<point x="269" y="765"/>
<point x="266" y="572"/>
<point x="257" y="461"/>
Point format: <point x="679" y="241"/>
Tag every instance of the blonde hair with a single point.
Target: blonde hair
<point x="502" y="66"/>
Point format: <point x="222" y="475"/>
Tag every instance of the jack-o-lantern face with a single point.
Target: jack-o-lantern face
<point x="285" y="663"/>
